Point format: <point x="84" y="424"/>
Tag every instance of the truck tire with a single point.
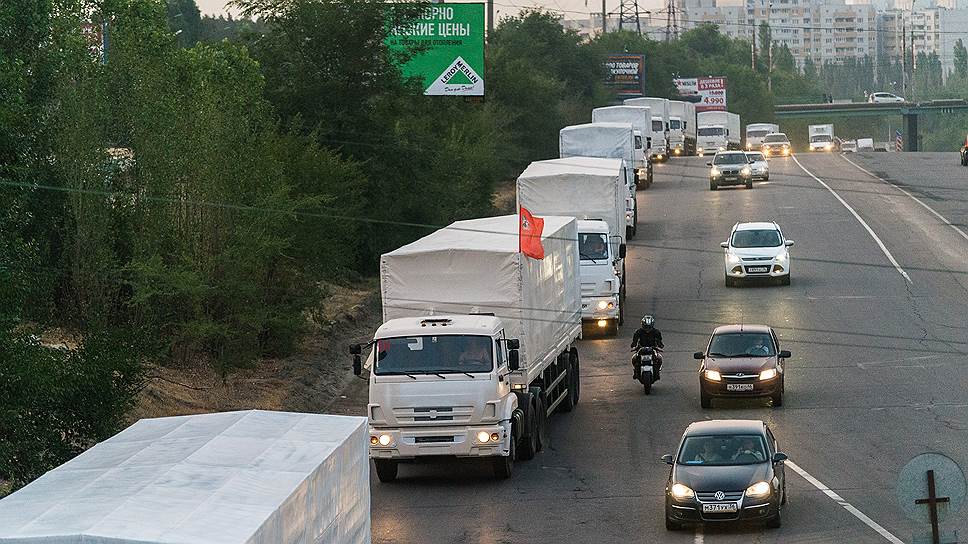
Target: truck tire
<point x="621" y="312"/>
<point x="573" y="357"/>
<point x="543" y="436"/>
<point x="503" y="466"/>
<point x="528" y="446"/>
<point x="629" y="233"/>
<point x="386" y="470"/>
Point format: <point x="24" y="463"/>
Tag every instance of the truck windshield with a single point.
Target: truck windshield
<point x="711" y="131"/>
<point x="820" y="138"/>
<point x="657" y="125"/>
<point x="444" y="354"/>
<point x="592" y="246"/>
<point x="674" y="124"/>
<point x="756" y="133"/>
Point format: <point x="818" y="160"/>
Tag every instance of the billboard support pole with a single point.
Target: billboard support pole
<point x="490" y="19"/>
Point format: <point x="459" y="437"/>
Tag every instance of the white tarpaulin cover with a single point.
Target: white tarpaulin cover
<point x="474" y="267"/>
<point x="583" y="187"/>
<point x="640" y="117"/>
<point x="249" y="477"/>
<point x="605" y="140"/>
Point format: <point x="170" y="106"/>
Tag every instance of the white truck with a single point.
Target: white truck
<point x="660" y="124"/>
<point x="593" y="191"/>
<point x="682" y="128"/>
<point x="251" y="477"/>
<point x="717" y="131"/>
<point x="755" y="132"/>
<point x="607" y="141"/>
<point x="640" y="117"/>
<point x="821" y="137"/>
<point x="477" y="347"/>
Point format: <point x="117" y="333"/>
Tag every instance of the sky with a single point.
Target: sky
<point x="572" y="9"/>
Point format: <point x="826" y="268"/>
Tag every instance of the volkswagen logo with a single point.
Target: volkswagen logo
<point x="719" y="495"/>
<point x="433" y="414"/>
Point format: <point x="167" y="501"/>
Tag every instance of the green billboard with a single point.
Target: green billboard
<point x="449" y="39"/>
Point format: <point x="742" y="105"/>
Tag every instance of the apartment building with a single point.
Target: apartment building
<point x="933" y="29"/>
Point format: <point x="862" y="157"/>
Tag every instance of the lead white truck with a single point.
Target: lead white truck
<point x="821" y="137"/>
<point x="717" y="131"/>
<point x="477" y="347"/>
<point x="640" y="117"/>
<point x="682" y="128"/>
<point x="660" y="124"/>
<point x="606" y="141"/>
<point x="593" y="191"/>
<point x="756" y="132"/>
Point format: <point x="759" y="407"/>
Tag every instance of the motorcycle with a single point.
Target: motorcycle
<point x="648" y="363"/>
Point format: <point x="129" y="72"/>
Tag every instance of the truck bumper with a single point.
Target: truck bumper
<point x="591" y="309"/>
<point x="407" y="443"/>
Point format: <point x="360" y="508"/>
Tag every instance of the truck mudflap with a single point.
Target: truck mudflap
<point x="406" y="443"/>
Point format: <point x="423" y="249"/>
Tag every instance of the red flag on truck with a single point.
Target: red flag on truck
<point x="529" y="234"/>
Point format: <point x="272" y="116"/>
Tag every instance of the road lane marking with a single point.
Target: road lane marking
<point x="843" y="503"/>
<point x="863" y="223"/>
<point x="909" y="195"/>
<point x="699" y="537"/>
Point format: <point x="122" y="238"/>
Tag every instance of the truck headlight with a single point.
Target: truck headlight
<point x="483" y="437"/>
<point x="384" y="440"/>
<point x="768" y="374"/>
<point x="759" y="489"/>
<point x="680" y="492"/>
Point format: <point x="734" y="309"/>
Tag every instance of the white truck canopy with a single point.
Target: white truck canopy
<point x="606" y="140"/>
<point x="250" y="477"/>
<point x="640" y="117"/>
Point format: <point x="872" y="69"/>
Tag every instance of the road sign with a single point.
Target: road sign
<point x="625" y="74"/>
<point x="450" y="41"/>
<point x="708" y="93"/>
<point x="931" y="488"/>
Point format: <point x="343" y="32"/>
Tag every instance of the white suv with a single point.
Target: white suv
<point x="756" y="250"/>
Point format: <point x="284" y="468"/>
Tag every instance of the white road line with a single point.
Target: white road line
<point x="863" y="223"/>
<point x="846" y="505"/>
<point x="912" y="197"/>
<point x="699" y="537"/>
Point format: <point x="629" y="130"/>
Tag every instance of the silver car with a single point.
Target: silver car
<point x="759" y="165"/>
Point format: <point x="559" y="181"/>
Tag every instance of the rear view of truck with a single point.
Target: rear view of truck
<point x="640" y="117"/>
<point x="477" y="347"/>
<point x="660" y="124"/>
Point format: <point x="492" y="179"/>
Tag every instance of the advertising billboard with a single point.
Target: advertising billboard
<point x="449" y="40"/>
<point x="625" y="74"/>
<point x="708" y="93"/>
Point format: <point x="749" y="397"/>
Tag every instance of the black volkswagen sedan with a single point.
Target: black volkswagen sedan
<point x="725" y="470"/>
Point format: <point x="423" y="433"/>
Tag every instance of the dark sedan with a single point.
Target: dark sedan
<point x="742" y="361"/>
<point x="730" y="168"/>
<point x="725" y="470"/>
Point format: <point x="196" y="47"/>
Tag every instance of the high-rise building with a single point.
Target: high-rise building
<point x="922" y="30"/>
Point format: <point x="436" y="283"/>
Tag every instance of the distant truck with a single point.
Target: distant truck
<point x="682" y="128"/>
<point x="607" y="141"/>
<point x="717" y="131"/>
<point x="640" y="117"/>
<point x="660" y="124"/>
<point x="477" y="347"/>
<point x="822" y="137"/>
<point x="593" y="191"/>
<point x="865" y="144"/>
<point x="755" y="132"/>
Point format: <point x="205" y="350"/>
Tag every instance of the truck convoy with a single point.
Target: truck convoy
<point x="717" y="131"/>
<point x="640" y="118"/>
<point x="477" y="347"/>
<point x="607" y="141"/>
<point x="755" y="132"/>
<point x="821" y="137"/>
<point x="593" y="191"/>
<point x="660" y="124"/>
<point x="682" y="128"/>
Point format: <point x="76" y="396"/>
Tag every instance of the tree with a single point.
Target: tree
<point x="185" y="21"/>
<point x="961" y="59"/>
<point x="764" y="40"/>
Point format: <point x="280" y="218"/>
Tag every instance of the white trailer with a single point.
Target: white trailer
<point x="660" y="124"/>
<point x="607" y="141"/>
<point x="717" y="131"/>
<point x="756" y="132"/>
<point x="250" y="477"/>
<point x="821" y="137"/>
<point x="640" y="117"/>
<point x="682" y="128"/>
<point x="478" y="345"/>
<point x="593" y="191"/>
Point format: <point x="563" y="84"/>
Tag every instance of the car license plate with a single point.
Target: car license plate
<point x="729" y="178"/>
<point x="739" y="387"/>
<point x="757" y="269"/>
<point x="719" y="507"/>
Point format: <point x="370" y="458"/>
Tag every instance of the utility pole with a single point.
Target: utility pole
<point x="769" y="47"/>
<point x="490" y="19"/>
<point x="903" y="56"/>
<point x="628" y="12"/>
<point x="672" y="21"/>
<point x="604" y="18"/>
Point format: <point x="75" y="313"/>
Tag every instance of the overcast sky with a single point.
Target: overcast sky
<point x="572" y="9"/>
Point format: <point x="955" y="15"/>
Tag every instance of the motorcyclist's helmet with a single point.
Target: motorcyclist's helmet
<point x="648" y="321"/>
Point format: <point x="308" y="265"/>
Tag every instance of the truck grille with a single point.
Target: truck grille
<point x="587" y="289"/>
<point x="433" y="414"/>
<point x="433" y="439"/>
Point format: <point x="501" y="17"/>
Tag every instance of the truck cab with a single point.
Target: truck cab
<point x="660" y="139"/>
<point x="677" y="140"/>
<point x="711" y="139"/>
<point x="602" y="271"/>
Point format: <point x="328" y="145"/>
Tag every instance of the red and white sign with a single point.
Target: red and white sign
<point x="708" y="93"/>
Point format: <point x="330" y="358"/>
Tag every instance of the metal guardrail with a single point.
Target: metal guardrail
<point x="868" y="108"/>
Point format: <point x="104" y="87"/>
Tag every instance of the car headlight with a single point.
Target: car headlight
<point x="768" y="374"/>
<point x="759" y="489"/>
<point x="713" y="376"/>
<point x="714" y="172"/>
<point x="745" y="171"/>
<point x="722" y="148"/>
<point x="732" y="258"/>
<point x="680" y="492"/>
<point x="783" y="257"/>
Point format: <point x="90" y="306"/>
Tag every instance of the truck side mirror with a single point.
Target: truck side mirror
<point x="513" y="343"/>
<point x="514" y="360"/>
<point x="357" y="365"/>
<point x="621" y="251"/>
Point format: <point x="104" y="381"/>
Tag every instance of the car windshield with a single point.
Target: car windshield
<point x="433" y="355"/>
<point x="730" y="158"/>
<point x="756" y="238"/>
<point x="742" y="344"/>
<point x="657" y="125"/>
<point x="778" y="138"/>
<point x="592" y="246"/>
<point x="820" y="138"/>
<point x="674" y="124"/>
<point x="756" y="133"/>
<point x="723" y="450"/>
<point x="711" y="131"/>
<point x="755" y="157"/>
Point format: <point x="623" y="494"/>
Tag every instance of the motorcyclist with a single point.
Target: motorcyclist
<point x="646" y="336"/>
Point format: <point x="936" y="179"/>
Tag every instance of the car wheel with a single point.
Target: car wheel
<point x="386" y="470"/>
<point x="672" y="525"/>
<point x="712" y="186"/>
<point x="775" y="522"/>
<point x="778" y="397"/>
<point x="730" y="282"/>
<point x="749" y="184"/>
<point x="705" y="400"/>
<point x="783" y="500"/>
<point x="504" y="465"/>
<point x="785" y="280"/>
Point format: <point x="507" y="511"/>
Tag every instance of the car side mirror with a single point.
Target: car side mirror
<point x="779" y="457"/>
<point x="621" y="251"/>
<point x="357" y="365"/>
<point x="724" y="245"/>
<point x="709" y="164"/>
<point x="788" y="243"/>
<point x="667" y="458"/>
<point x="356" y="349"/>
<point x="784" y="354"/>
<point x="513" y="343"/>
<point x="514" y="360"/>
<point x="699" y="355"/>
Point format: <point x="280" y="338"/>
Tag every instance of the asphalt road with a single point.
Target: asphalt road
<point x="879" y="371"/>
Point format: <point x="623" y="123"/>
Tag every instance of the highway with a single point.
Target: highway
<point x="876" y="320"/>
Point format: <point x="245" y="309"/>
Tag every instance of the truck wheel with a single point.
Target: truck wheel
<point x="564" y="361"/>
<point x="629" y="233"/>
<point x="575" y="365"/>
<point x="386" y="470"/>
<point x="528" y="446"/>
<point x="621" y="314"/>
<point x="705" y="400"/>
<point x="504" y="465"/>
<point x="543" y="437"/>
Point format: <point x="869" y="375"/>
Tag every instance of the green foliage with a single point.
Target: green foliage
<point x="961" y="59"/>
